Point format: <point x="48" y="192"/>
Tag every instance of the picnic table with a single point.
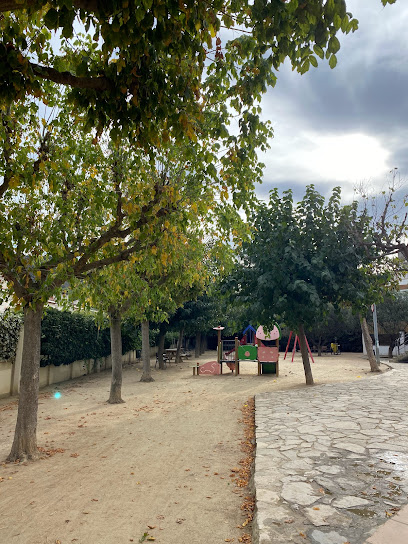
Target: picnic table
<point x="171" y="353"/>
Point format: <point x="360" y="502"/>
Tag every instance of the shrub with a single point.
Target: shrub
<point x="10" y="326"/>
<point x="67" y="337"/>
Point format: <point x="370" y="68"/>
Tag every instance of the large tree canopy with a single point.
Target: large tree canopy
<point x="141" y="64"/>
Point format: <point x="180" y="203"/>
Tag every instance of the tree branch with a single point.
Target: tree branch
<point x="101" y="83"/>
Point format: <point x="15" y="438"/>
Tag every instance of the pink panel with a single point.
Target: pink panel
<point x="273" y="334"/>
<point x="212" y="367"/>
<point x="268" y="355"/>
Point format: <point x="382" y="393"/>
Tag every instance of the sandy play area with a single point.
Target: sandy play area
<point x="161" y="467"/>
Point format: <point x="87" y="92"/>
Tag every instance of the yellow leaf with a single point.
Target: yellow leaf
<point x="212" y="31"/>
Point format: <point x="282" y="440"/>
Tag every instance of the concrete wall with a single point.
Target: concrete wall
<point x="56" y="374"/>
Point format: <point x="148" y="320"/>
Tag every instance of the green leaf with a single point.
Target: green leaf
<point x="333" y="61"/>
<point x="319" y="51"/>
<point x="51" y="19"/>
<point x="337" y="21"/>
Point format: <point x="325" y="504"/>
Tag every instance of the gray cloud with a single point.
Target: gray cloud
<point x="365" y="94"/>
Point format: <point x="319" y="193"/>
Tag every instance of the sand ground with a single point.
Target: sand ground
<point x="157" y="468"/>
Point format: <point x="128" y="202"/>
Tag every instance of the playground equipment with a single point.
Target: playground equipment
<point x="232" y="352"/>
<point x="294" y="347"/>
<point x="335" y="348"/>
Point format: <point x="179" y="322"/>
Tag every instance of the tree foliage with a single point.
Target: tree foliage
<point x="140" y="66"/>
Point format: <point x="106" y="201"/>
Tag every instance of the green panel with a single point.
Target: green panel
<point x="269" y="368"/>
<point x="248" y="353"/>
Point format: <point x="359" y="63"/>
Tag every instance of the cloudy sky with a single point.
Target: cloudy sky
<point x="350" y="124"/>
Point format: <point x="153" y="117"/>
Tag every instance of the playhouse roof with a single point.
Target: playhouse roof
<point x="249" y="328"/>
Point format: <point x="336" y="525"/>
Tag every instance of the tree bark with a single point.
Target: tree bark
<point x="160" y="350"/>
<point x="146" y="376"/>
<point x="368" y="345"/>
<point x="25" y="435"/>
<point x="115" y="396"/>
<point x="179" y="343"/>
<point x="197" y="345"/>
<point x="319" y="347"/>
<point x="202" y="344"/>
<point x="305" y="355"/>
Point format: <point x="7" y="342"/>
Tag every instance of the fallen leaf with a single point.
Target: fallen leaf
<point x="151" y="526"/>
<point x="180" y="520"/>
<point x="316" y="508"/>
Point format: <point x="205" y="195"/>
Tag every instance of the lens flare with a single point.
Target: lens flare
<point x="57" y="395"/>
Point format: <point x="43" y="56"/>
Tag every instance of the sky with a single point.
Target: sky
<point x="348" y="125"/>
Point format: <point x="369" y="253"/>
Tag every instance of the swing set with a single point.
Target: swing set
<point x="294" y="347"/>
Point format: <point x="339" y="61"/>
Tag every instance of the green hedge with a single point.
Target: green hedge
<point x="10" y="325"/>
<point x="67" y="337"/>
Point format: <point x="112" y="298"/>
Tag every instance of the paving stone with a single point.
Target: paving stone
<point x="328" y="538"/>
<point x="330" y="469"/>
<point x="326" y="515"/>
<point x="266" y="495"/>
<point x="355" y="448"/>
<point x="300" y="493"/>
<point x="350" y="501"/>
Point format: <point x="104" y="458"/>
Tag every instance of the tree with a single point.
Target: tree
<point x="301" y="261"/>
<point x="68" y="207"/>
<point x="387" y="215"/>
<point x="392" y="316"/>
<point x="154" y="284"/>
<point x="140" y="67"/>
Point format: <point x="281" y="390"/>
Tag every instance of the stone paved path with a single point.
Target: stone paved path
<point x="331" y="460"/>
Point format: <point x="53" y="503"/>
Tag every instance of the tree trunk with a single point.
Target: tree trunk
<point x="115" y="396"/>
<point x="198" y="345"/>
<point x="368" y="345"/>
<point x="305" y="355"/>
<point x="319" y="347"/>
<point x="390" y="351"/>
<point x="25" y="435"/>
<point x="202" y="344"/>
<point x="179" y="343"/>
<point x="146" y="376"/>
<point x="160" y="350"/>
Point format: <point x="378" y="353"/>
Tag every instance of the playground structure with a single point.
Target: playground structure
<point x="232" y="352"/>
<point x="294" y="347"/>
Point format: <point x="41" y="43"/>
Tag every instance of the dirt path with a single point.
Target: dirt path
<point x="159" y="464"/>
